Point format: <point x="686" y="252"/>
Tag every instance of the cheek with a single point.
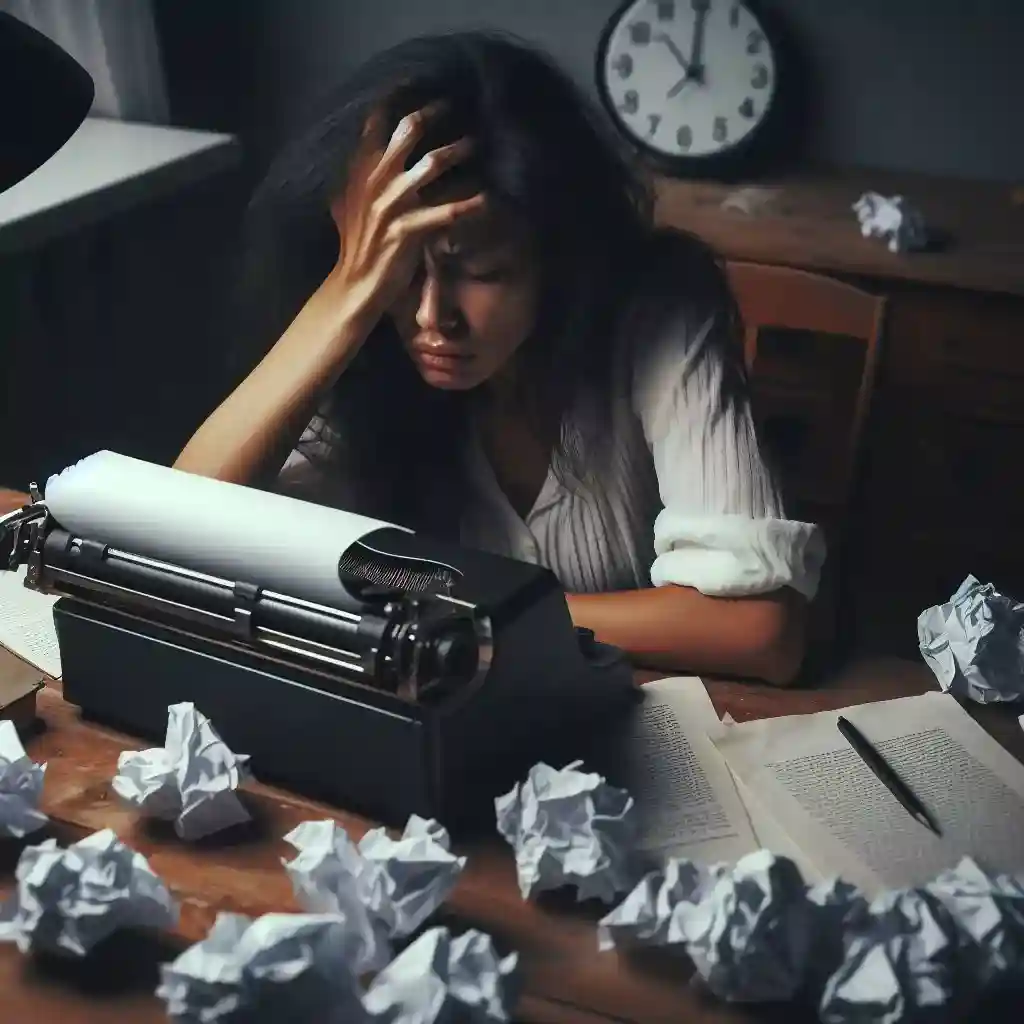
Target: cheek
<point x="501" y="318"/>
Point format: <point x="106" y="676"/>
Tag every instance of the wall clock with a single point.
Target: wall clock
<point x="691" y="83"/>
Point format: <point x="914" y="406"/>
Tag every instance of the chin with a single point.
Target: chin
<point x="449" y="380"/>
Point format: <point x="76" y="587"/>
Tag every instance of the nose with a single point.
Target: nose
<point x="437" y="310"/>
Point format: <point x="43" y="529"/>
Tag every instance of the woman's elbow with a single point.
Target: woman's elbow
<point x="779" y="640"/>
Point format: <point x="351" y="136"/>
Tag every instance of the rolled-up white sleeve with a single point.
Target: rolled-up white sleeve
<point x="722" y="529"/>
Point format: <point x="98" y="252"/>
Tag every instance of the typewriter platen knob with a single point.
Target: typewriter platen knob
<point x="452" y="656"/>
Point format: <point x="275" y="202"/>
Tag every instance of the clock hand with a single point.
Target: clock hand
<point x="679" y="86"/>
<point x="673" y="49"/>
<point x="696" y="67"/>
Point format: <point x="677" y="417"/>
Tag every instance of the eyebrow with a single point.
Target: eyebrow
<point x="472" y="248"/>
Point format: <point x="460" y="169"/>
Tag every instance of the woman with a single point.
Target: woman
<point x="481" y="336"/>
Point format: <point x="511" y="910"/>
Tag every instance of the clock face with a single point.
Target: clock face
<point x="688" y="79"/>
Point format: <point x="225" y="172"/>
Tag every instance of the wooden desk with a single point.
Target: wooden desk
<point x="567" y="980"/>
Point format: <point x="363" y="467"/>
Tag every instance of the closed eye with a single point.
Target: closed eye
<point x="490" y="276"/>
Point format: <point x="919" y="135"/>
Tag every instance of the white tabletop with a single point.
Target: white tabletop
<point x="104" y="168"/>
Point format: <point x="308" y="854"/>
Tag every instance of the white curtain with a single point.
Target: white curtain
<point x="116" y="42"/>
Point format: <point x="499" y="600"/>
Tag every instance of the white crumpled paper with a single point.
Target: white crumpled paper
<point x="989" y="913"/>
<point x="756" y="933"/>
<point x="893" y="219"/>
<point x="652" y="913"/>
<point x="385" y="888"/>
<point x="21" y="786"/>
<point x="443" y="980"/>
<point x="748" y="929"/>
<point x="570" y="828"/>
<point x="919" y="953"/>
<point x="280" y="967"/>
<point x="191" y="780"/>
<point x="902" y="967"/>
<point x="975" y="643"/>
<point x="68" y="900"/>
<point x="840" y="912"/>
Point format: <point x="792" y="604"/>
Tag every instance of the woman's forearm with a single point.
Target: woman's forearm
<point x="249" y="435"/>
<point x="680" y="629"/>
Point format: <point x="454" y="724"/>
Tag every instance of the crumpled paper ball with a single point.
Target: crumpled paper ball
<point x="68" y="900"/>
<point x="989" y="913"/>
<point x="443" y="980"/>
<point x="893" y="219"/>
<point x="749" y="936"/>
<point x="419" y="868"/>
<point x="902" y="966"/>
<point x="651" y="914"/>
<point x="280" y="967"/>
<point x="975" y="643"/>
<point x="21" y="786"/>
<point x="570" y="828"/>
<point x="840" y="911"/>
<point x="385" y="888"/>
<point x="747" y="928"/>
<point x="191" y="780"/>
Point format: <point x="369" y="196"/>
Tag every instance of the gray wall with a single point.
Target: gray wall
<point x="926" y="85"/>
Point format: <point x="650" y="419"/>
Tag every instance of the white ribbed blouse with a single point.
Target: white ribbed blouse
<point x="685" y="496"/>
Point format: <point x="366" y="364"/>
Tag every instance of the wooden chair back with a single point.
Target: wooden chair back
<point x="827" y="403"/>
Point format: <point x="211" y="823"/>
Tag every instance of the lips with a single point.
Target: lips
<point x="443" y="357"/>
<point x="442" y="363"/>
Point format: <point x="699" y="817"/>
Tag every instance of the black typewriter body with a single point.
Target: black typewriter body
<point x="438" y="703"/>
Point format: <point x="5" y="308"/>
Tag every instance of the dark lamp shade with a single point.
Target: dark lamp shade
<point x="45" y="96"/>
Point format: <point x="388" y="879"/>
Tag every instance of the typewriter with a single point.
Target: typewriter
<point x="353" y="661"/>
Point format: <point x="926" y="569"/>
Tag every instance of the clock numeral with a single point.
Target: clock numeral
<point x="684" y="137"/>
<point x="720" y="129"/>
<point x="623" y="64"/>
<point x="754" y="42"/>
<point x="734" y="16"/>
<point x="747" y="107"/>
<point x="760" y="77"/>
<point x="630" y="102"/>
<point x="666" y="10"/>
<point x="654" y="120"/>
<point x="640" y="33"/>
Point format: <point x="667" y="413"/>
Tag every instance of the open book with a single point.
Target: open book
<point x="711" y="792"/>
<point x="800" y="771"/>
<point x="687" y="800"/>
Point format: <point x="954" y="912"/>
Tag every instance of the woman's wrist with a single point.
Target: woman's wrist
<point x="333" y="323"/>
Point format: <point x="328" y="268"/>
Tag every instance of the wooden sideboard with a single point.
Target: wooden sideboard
<point x="941" y="491"/>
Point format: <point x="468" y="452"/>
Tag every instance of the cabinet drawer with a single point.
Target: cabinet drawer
<point x="967" y="347"/>
<point x="925" y="465"/>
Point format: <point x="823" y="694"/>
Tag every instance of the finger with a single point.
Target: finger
<point x="407" y="134"/>
<point x="426" y="219"/>
<point x="424" y="171"/>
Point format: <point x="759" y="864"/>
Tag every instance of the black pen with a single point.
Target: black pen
<point x="886" y="774"/>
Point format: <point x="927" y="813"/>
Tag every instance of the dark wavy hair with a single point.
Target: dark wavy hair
<point x="543" y="152"/>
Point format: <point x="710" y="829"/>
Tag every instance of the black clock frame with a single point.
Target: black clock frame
<point x="749" y="153"/>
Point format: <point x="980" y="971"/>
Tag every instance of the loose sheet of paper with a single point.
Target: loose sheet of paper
<point x="26" y="623"/>
<point x="807" y="776"/>
<point x="234" y="532"/>
<point x="685" y="795"/>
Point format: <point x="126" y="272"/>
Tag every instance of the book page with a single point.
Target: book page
<point x="808" y="777"/>
<point x="772" y="836"/>
<point x="26" y="623"/>
<point x="685" y="795"/>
